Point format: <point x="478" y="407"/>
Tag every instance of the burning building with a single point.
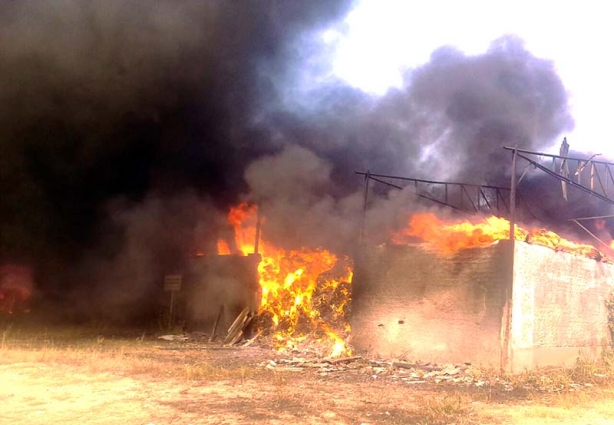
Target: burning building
<point x="464" y="291"/>
<point x="161" y="117"/>
<point x="506" y="303"/>
<point x="437" y="289"/>
<point x="297" y="294"/>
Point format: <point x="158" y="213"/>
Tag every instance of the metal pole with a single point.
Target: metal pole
<point x="361" y="234"/>
<point x="507" y="353"/>
<point x="513" y="197"/>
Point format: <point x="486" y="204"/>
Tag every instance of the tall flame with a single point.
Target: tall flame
<point x="304" y="291"/>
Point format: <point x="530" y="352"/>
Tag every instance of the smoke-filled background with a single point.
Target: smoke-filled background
<point x="128" y="128"/>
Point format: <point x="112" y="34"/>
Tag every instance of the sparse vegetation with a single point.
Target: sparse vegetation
<point x="99" y="375"/>
<point x="609" y="304"/>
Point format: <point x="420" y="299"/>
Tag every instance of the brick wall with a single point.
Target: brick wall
<point x="559" y="309"/>
<point x="408" y="302"/>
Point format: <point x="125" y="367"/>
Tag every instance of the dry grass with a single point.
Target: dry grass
<point x="90" y="350"/>
<point x="100" y="376"/>
<point x="448" y="409"/>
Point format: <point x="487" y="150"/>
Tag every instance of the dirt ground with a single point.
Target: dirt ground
<point x="80" y="378"/>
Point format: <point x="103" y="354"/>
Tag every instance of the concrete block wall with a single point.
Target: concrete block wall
<point x="408" y="302"/>
<point x="509" y="305"/>
<point x="558" y="307"/>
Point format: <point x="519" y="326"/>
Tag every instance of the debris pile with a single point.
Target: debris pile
<point x="548" y="380"/>
<point x="465" y="374"/>
<point x="412" y="373"/>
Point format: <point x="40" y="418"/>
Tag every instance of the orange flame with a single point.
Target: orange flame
<point x="222" y="247"/>
<point x="243" y="219"/>
<point x="453" y="236"/>
<point x="304" y="292"/>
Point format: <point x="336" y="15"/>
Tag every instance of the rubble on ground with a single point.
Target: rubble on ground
<point x="552" y="380"/>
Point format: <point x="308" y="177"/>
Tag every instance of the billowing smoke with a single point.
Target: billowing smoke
<point x="450" y="121"/>
<point x="128" y="128"/>
<point x="476" y="105"/>
<point x="106" y="99"/>
<point x="142" y="243"/>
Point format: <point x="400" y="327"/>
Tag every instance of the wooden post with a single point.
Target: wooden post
<point x="170" y="313"/>
<point x="217" y="320"/>
<point x="172" y="284"/>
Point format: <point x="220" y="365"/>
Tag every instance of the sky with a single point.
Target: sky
<point x="380" y="39"/>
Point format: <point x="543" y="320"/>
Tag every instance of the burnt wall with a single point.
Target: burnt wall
<point x="410" y="302"/>
<point x="559" y="307"/>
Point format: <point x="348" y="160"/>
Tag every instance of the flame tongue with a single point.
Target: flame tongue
<point x="305" y="292"/>
<point x="222" y="247"/>
<point x="451" y="237"/>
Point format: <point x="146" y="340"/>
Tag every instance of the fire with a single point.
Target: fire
<point x="243" y="219"/>
<point x="305" y="292"/>
<point x="449" y="237"/>
<point x="222" y="247"/>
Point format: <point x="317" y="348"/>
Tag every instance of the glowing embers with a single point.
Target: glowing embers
<point x="305" y="292"/>
<point x="450" y="236"/>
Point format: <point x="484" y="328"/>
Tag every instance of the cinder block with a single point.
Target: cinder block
<point x="509" y="305"/>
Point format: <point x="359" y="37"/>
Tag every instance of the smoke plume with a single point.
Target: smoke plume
<point x="128" y="128"/>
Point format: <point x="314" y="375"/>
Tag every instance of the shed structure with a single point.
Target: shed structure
<point x="510" y="305"/>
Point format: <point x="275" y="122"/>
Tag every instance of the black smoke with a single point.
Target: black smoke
<point x="118" y="99"/>
<point x="449" y="120"/>
<point x="127" y="129"/>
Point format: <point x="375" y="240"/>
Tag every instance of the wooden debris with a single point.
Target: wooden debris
<point x="173" y="337"/>
<point x="236" y="329"/>
<point x="288" y="369"/>
<point x="405" y="365"/>
<point x="408" y="373"/>
<point x="217" y="321"/>
<point x="343" y="359"/>
<point x="250" y="341"/>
